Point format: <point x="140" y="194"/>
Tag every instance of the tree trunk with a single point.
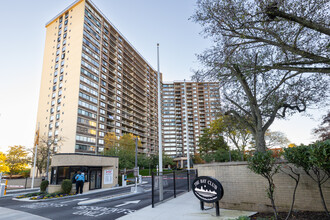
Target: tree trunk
<point x="323" y="201"/>
<point x="260" y="140"/>
<point x="293" y="198"/>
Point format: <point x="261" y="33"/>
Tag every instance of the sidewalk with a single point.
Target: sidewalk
<point x="14" y="214"/>
<point x="185" y="206"/>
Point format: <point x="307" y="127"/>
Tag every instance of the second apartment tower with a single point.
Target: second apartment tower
<point x="93" y="82"/>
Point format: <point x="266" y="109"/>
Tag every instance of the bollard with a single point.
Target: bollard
<point x="152" y="190"/>
<point x="6" y="187"/>
<point x="2" y="189"/>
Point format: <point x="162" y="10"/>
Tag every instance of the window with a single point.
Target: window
<point x="51" y="110"/>
<point x="50" y="126"/>
<point x="58" y="45"/>
<point x="54" y="94"/>
<point x="57" y="124"/>
<point x="102" y="111"/>
<point x="61" y="19"/>
<point x="61" y="77"/>
<point x="53" y="102"/>
<point x="101" y="141"/>
<point x="66" y="22"/>
<point x="101" y="126"/>
<point x="55" y="74"/>
<point x="51" y="118"/>
<point x="58" y="39"/>
<point x="58" y="108"/>
<point x="63" y="56"/>
<point x="57" y="116"/>
<point x="59" y="100"/>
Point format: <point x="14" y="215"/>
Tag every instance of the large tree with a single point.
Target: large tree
<point x="17" y="159"/>
<point x="234" y="130"/>
<point x="210" y="141"/>
<point x="41" y="159"/>
<point x="3" y="166"/>
<point x="124" y="148"/>
<point x="296" y="31"/>
<point x="250" y="48"/>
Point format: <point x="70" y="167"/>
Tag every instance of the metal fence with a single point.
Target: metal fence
<point x="174" y="183"/>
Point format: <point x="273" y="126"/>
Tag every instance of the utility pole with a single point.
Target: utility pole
<point x="160" y="150"/>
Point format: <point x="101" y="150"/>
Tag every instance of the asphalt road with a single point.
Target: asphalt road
<point x="68" y="208"/>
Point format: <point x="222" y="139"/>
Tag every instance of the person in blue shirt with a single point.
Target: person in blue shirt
<point x="80" y="179"/>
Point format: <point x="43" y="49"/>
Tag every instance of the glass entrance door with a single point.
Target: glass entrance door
<point x="95" y="179"/>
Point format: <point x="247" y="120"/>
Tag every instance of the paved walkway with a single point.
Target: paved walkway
<point x="184" y="207"/>
<point x="14" y="214"/>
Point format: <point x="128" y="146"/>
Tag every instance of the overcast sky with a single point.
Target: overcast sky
<point x="144" y="23"/>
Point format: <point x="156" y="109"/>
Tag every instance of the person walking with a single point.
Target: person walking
<point x="80" y="179"/>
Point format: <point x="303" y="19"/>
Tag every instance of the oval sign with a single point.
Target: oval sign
<point x="207" y="189"/>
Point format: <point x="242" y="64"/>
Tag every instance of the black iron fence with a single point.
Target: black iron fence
<point x="169" y="184"/>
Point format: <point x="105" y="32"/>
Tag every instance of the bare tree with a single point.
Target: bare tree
<point x="247" y="59"/>
<point x="41" y="159"/>
<point x="323" y="130"/>
<point x="52" y="144"/>
<point x="296" y="31"/>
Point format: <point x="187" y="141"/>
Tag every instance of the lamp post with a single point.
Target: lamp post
<point x="136" y="170"/>
<point x="160" y="150"/>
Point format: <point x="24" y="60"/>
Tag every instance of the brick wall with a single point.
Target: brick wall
<point x="244" y="190"/>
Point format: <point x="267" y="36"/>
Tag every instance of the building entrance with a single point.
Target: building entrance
<point x="95" y="179"/>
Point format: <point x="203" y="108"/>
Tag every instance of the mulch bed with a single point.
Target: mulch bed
<point x="302" y="215"/>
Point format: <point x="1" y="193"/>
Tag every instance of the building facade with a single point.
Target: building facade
<point x="93" y="82"/>
<point x="201" y="102"/>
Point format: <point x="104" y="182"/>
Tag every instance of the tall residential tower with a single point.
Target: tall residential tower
<point x="201" y="102"/>
<point x="93" y="82"/>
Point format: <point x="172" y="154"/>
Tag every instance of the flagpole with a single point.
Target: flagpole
<point x="160" y="150"/>
<point x="35" y="158"/>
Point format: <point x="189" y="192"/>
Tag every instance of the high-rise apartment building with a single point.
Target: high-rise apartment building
<point x="93" y="82"/>
<point x="201" y="102"/>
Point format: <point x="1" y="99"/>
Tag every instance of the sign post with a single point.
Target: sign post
<point x="209" y="190"/>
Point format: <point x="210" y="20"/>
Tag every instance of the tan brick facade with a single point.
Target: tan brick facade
<point x="245" y="190"/>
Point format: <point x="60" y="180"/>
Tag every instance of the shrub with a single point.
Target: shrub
<point x="43" y="186"/>
<point x="66" y="186"/>
<point x="314" y="159"/>
<point x="264" y="164"/>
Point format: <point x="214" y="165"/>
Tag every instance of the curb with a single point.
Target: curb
<point x="77" y="195"/>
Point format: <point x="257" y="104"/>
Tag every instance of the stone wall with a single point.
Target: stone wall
<point x="244" y="190"/>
